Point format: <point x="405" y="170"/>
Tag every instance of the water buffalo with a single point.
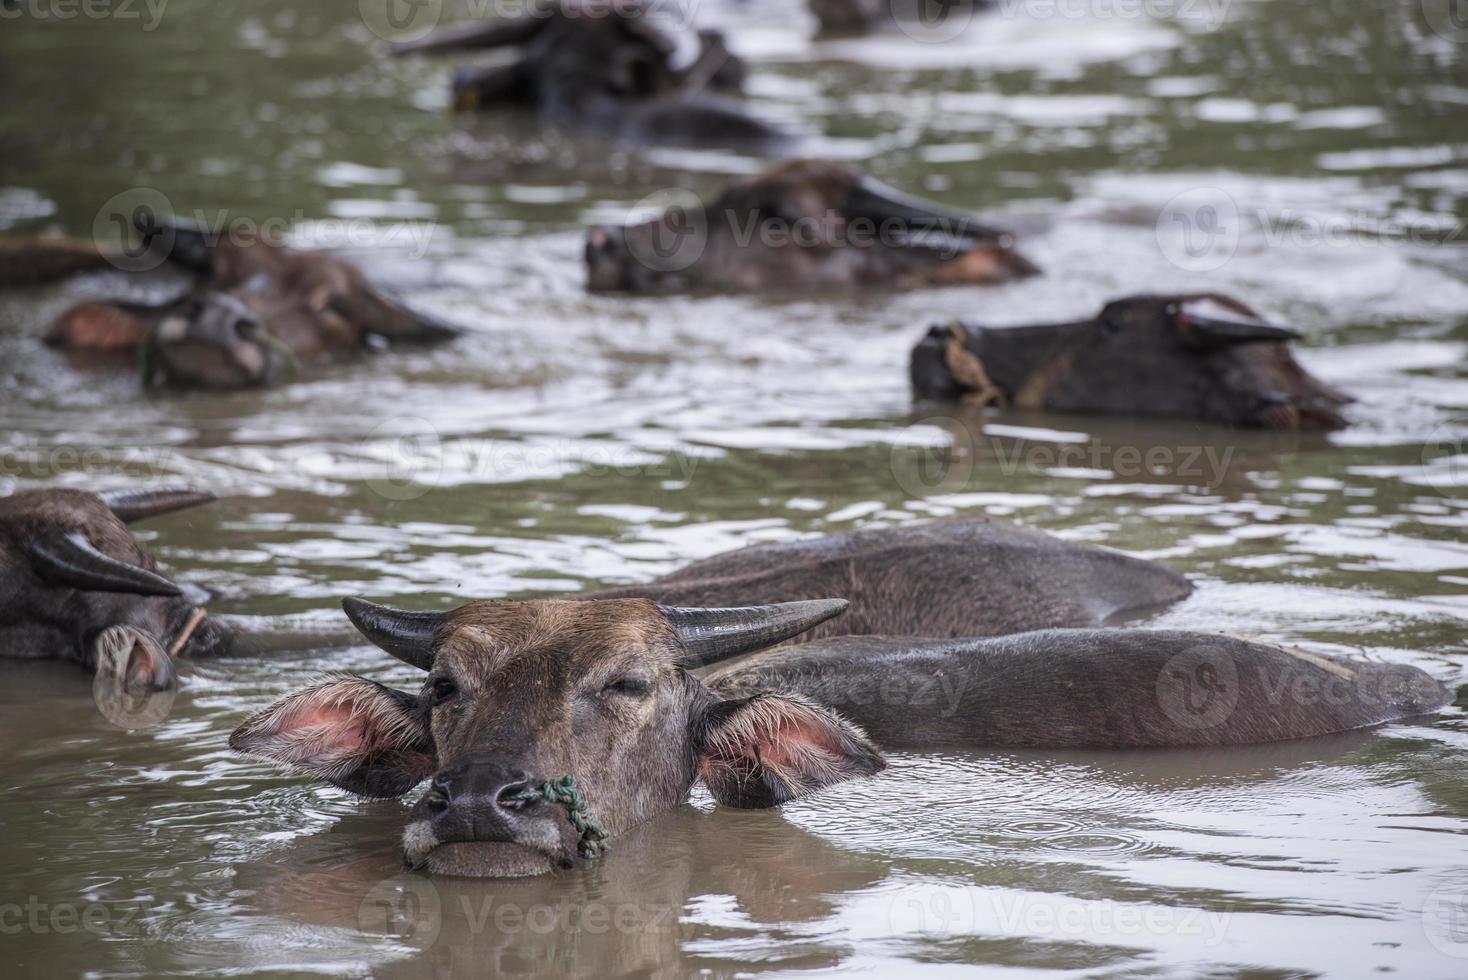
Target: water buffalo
<point x="27" y="260"/>
<point x="520" y="695"/>
<point x="75" y="585"/>
<point x="1082" y="688"/>
<point x="620" y="68"/>
<point x="523" y="692"/>
<point x="1195" y="356"/>
<point x="259" y="311"/>
<point x="805" y="225"/>
<point x="963" y="577"/>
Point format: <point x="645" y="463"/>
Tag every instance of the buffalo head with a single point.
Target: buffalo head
<point x="1196" y="356"/>
<point x="75" y="585"/>
<point x="258" y="311"/>
<point x="805" y="225"/>
<point x="518" y="694"/>
<point x="624" y="68"/>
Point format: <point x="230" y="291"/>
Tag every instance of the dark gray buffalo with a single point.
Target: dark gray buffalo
<point x="962" y="577"/>
<point x="621" y="68"/>
<point x="75" y="585"/>
<point x="1083" y="689"/>
<point x="518" y="696"/>
<point x="802" y="226"/>
<point x="1195" y="356"/>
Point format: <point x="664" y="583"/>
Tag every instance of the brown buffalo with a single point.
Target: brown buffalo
<point x="75" y="585"/>
<point x="1081" y="688"/>
<point x="805" y="225"/>
<point x="524" y="693"/>
<point x="609" y="674"/>
<point x="963" y="577"/>
<point x="259" y="311"/>
<point x="616" y="67"/>
<point x="1196" y="356"/>
<point x="27" y="260"/>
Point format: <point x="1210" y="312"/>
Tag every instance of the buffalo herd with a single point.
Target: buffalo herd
<point x="765" y="673"/>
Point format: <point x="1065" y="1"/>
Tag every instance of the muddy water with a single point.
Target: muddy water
<point x="1306" y="157"/>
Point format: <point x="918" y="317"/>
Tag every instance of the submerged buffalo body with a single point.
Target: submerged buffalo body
<point x="1083" y="689"/>
<point x="75" y="585"/>
<point x="1197" y="356"/>
<point x="624" y="69"/>
<point x="27" y="260"/>
<point x="258" y="311"/>
<point x="805" y="225"/>
<point x="600" y="687"/>
<point x="520" y="695"/>
<point x="964" y="577"/>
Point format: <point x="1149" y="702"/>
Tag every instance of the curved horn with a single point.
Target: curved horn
<point x="407" y="636"/>
<point x="711" y="635"/>
<point x="70" y="559"/>
<point x="135" y="505"/>
<point x="880" y="204"/>
<point x="1239" y="331"/>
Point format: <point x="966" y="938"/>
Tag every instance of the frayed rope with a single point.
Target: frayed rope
<point x="592" y="844"/>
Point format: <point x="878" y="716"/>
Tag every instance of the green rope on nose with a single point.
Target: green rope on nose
<point x="592" y="843"/>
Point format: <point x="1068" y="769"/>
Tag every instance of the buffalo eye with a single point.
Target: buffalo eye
<point x="443" y="689"/>
<point x="1109" y="324"/>
<point x="631" y="687"/>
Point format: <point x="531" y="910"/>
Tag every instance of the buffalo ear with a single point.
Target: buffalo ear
<point x="350" y="732"/>
<point x="769" y="749"/>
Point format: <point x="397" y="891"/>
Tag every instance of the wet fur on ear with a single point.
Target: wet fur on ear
<point x="348" y="731"/>
<point x="769" y="749"/>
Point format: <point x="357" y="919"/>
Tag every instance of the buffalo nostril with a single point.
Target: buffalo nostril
<point x="443" y="785"/>
<point x="514" y="794"/>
